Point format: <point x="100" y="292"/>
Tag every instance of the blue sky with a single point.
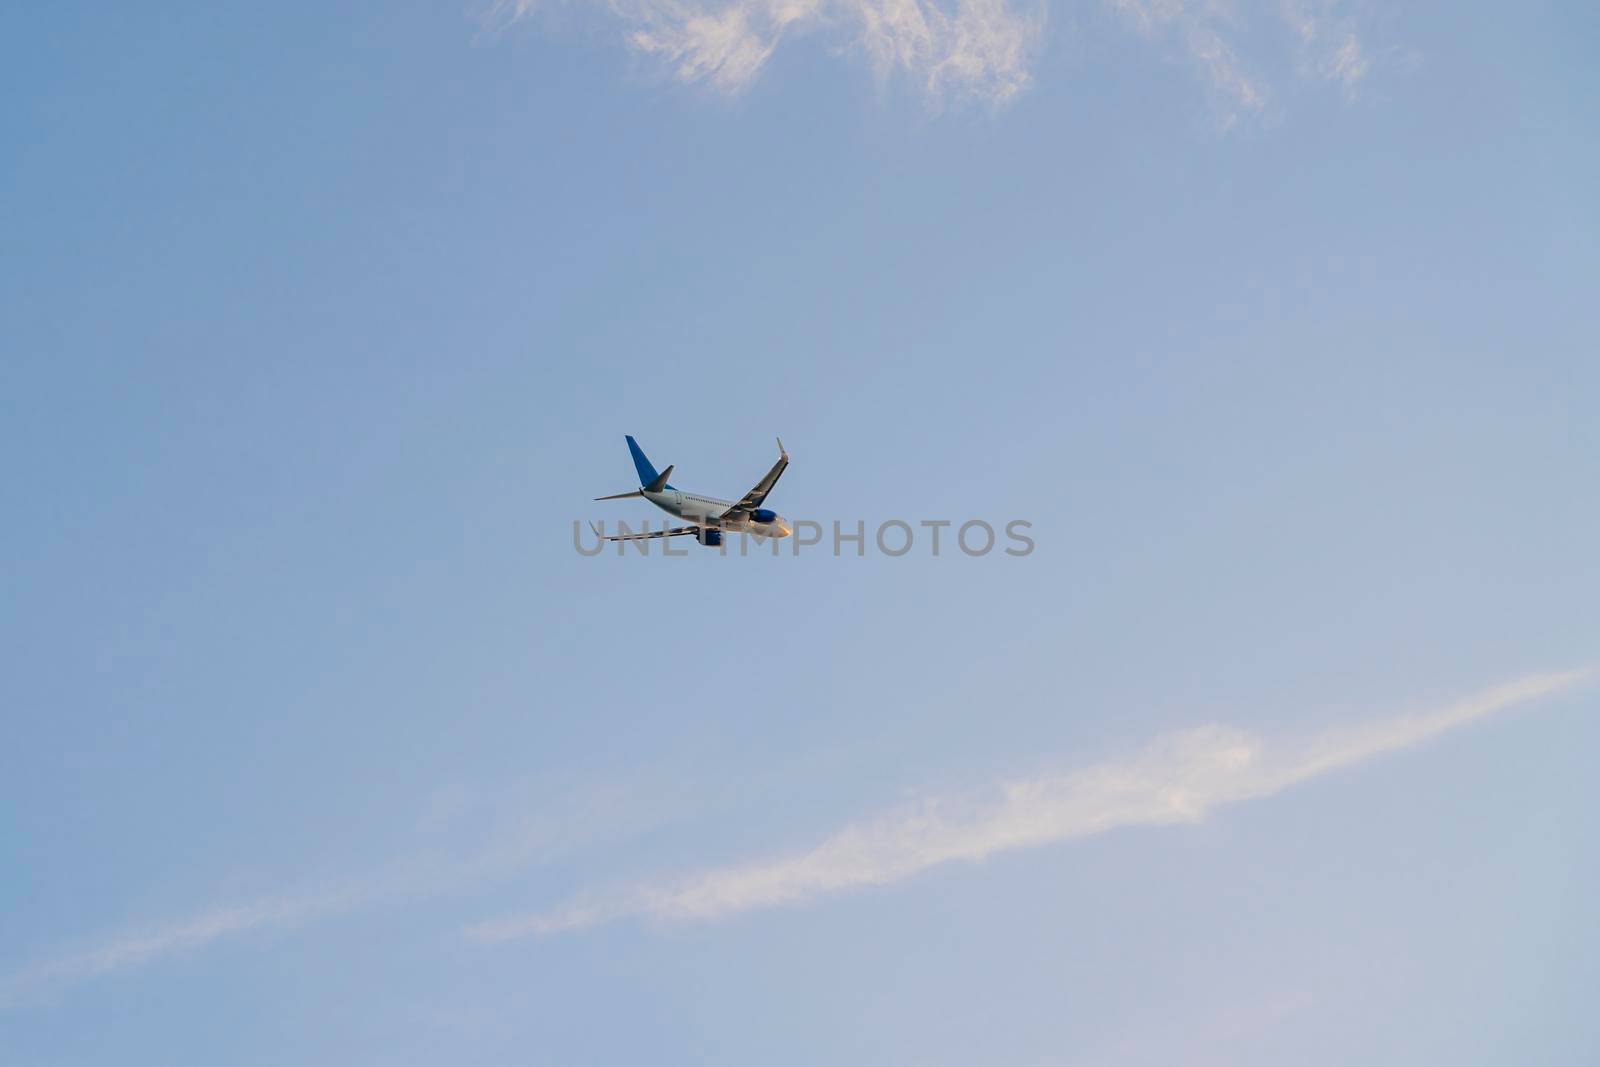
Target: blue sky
<point x="323" y="325"/>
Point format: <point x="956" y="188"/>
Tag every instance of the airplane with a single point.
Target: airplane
<point x="708" y="517"/>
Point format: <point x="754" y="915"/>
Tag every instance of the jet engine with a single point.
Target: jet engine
<point x="762" y="515"/>
<point x="709" y="538"/>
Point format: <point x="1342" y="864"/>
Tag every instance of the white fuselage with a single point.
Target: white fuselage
<point x="709" y="511"/>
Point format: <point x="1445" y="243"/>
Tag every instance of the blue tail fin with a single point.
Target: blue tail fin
<point x="647" y="470"/>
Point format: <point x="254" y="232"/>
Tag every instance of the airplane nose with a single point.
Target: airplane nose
<point x="784" y="529"/>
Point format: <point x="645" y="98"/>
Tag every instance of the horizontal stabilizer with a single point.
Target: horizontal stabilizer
<point x="622" y="496"/>
<point x="676" y="531"/>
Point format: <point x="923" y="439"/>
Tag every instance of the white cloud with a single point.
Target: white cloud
<point x="979" y="48"/>
<point x="726" y="47"/>
<point x="1179" y="778"/>
<point x="976" y="48"/>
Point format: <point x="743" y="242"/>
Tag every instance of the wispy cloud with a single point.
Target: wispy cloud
<point x="494" y="836"/>
<point x="1324" y="33"/>
<point x="977" y="48"/>
<point x="1331" y="49"/>
<point x="1203" y="29"/>
<point x="1179" y="778"/>
<point x="972" y="48"/>
<point x="135" y="947"/>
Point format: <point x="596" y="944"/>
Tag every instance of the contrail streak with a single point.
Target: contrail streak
<point x="1178" y="778"/>
<point x="512" y="837"/>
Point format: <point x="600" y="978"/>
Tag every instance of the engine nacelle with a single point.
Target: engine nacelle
<point x="709" y="538"/>
<point x="762" y="515"/>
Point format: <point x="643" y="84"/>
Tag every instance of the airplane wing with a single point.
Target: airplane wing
<point x="676" y="531"/>
<point x="754" y="498"/>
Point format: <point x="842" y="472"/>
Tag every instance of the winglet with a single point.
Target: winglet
<point x="781" y="450"/>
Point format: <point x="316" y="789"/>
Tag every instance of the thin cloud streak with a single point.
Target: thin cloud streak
<point x="512" y="834"/>
<point x="140" y="946"/>
<point x="1180" y="778"/>
<point x="1177" y="779"/>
